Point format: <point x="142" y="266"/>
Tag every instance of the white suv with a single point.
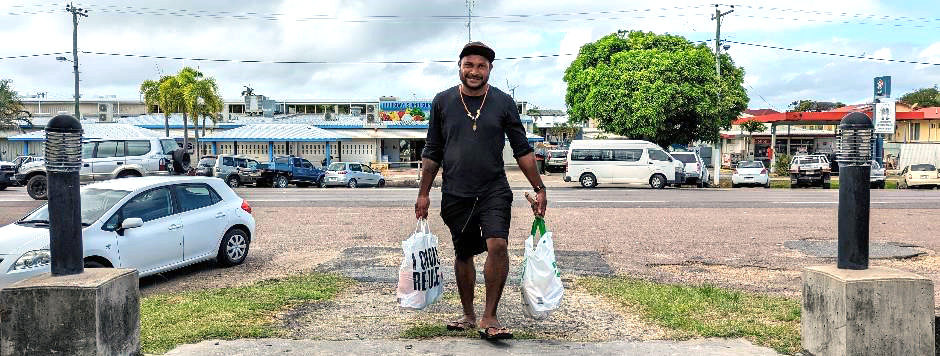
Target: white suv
<point x="104" y="159"/>
<point x="695" y="170"/>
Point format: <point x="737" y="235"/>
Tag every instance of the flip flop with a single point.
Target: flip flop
<point x="461" y="325"/>
<point x="498" y="334"/>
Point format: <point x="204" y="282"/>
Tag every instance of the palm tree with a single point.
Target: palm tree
<point x="201" y="98"/>
<point x="751" y="126"/>
<point x="186" y="80"/>
<point x="150" y="89"/>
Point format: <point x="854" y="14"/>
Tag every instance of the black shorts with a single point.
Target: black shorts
<point x="473" y="220"/>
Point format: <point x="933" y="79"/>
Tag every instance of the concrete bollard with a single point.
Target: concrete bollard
<point x="851" y="309"/>
<point x="69" y="311"/>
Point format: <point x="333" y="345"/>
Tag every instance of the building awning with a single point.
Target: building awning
<point x="276" y="133"/>
<point x="817" y="118"/>
<point x="96" y="130"/>
<point x="404" y="134"/>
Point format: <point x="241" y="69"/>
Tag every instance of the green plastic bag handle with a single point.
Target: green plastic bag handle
<point x="538" y="224"/>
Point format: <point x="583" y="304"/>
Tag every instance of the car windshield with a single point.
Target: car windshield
<point x="336" y="167"/>
<point x="207" y="162"/>
<point x="750" y="164"/>
<point x="923" y="167"/>
<point x="95" y="202"/>
<point x="684" y="158"/>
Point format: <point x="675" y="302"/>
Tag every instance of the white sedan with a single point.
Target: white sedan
<point x="750" y="173"/>
<point x="152" y="224"/>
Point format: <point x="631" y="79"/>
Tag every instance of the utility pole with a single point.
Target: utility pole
<point x="76" y="12"/>
<point x="717" y="159"/>
<point x="470" y="5"/>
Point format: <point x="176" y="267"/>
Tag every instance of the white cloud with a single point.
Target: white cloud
<point x="777" y="75"/>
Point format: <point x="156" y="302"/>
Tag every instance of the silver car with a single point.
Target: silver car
<point x="104" y="159"/>
<point x="352" y="174"/>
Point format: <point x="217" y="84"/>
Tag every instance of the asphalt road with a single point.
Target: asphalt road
<point x="572" y="197"/>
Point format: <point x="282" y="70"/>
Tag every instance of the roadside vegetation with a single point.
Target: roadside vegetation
<point x="171" y="319"/>
<point x="707" y="311"/>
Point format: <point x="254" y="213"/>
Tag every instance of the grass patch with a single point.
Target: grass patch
<point x="171" y="319"/>
<point x="427" y="331"/>
<point x="708" y="311"/>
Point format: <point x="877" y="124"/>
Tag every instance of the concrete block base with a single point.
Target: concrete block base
<point x="877" y="311"/>
<point x="93" y="313"/>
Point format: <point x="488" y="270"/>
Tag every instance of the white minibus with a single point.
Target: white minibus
<point x="593" y="162"/>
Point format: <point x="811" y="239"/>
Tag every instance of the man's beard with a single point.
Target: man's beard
<point x="463" y="79"/>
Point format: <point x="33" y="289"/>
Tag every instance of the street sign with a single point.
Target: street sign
<point x="882" y="87"/>
<point x="884" y="117"/>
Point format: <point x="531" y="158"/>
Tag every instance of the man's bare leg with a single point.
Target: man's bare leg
<point x="495" y="272"/>
<point x="466" y="280"/>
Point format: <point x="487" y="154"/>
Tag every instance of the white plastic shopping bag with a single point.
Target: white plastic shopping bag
<point x="541" y="280"/>
<point x="420" y="277"/>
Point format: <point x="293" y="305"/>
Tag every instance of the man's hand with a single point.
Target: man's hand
<point x="539" y="203"/>
<point x="421" y="207"/>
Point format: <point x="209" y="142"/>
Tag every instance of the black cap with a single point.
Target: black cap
<point x="478" y="48"/>
<point x="64" y="123"/>
<point x="856" y="119"/>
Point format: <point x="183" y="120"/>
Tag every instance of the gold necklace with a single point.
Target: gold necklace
<point x="471" y="116"/>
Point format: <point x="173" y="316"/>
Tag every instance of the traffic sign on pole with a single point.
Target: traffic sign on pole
<point x="884" y="116"/>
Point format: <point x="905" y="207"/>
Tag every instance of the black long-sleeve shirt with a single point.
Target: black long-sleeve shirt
<point x="473" y="160"/>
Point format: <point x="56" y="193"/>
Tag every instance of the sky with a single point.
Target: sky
<point x="347" y="34"/>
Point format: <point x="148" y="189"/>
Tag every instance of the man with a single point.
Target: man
<point x="466" y="136"/>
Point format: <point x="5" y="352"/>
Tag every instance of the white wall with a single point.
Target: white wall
<point x="358" y="150"/>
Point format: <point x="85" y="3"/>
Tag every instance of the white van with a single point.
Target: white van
<point x="592" y="162"/>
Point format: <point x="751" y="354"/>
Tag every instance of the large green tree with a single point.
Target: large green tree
<point x="11" y="108"/>
<point x="923" y="98"/>
<point x="661" y="88"/>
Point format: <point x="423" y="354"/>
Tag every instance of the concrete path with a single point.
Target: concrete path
<point x="701" y="347"/>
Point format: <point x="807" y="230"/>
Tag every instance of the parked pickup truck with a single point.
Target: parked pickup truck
<point x="289" y="169"/>
<point x="810" y="170"/>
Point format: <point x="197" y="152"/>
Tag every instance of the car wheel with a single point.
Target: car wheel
<point x="232" y="182"/>
<point x="94" y="264"/>
<point x="280" y="182"/>
<point x="181" y="161"/>
<point x="322" y="183"/>
<point x="381" y="183"/>
<point x="36" y="187"/>
<point x="352" y="183"/>
<point x="658" y="181"/>
<point x="3" y="186"/>
<point x="234" y="248"/>
<point x="588" y="180"/>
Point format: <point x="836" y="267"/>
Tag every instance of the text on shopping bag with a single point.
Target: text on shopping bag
<point x="426" y="268"/>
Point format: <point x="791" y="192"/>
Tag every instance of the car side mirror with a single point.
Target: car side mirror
<point x="131" y="223"/>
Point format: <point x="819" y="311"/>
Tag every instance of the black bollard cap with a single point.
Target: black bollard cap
<point x="64" y="124"/>
<point x="857" y="120"/>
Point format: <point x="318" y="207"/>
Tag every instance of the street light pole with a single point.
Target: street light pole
<point x="76" y="12"/>
<point x="717" y="159"/>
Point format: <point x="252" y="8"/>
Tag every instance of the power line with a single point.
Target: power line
<point x="758" y="94"/>
<point x="223" y="60"/>
<point x="130" y="10"/>
<point x="832" y="54"/>
<point x="840" y="14"/>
